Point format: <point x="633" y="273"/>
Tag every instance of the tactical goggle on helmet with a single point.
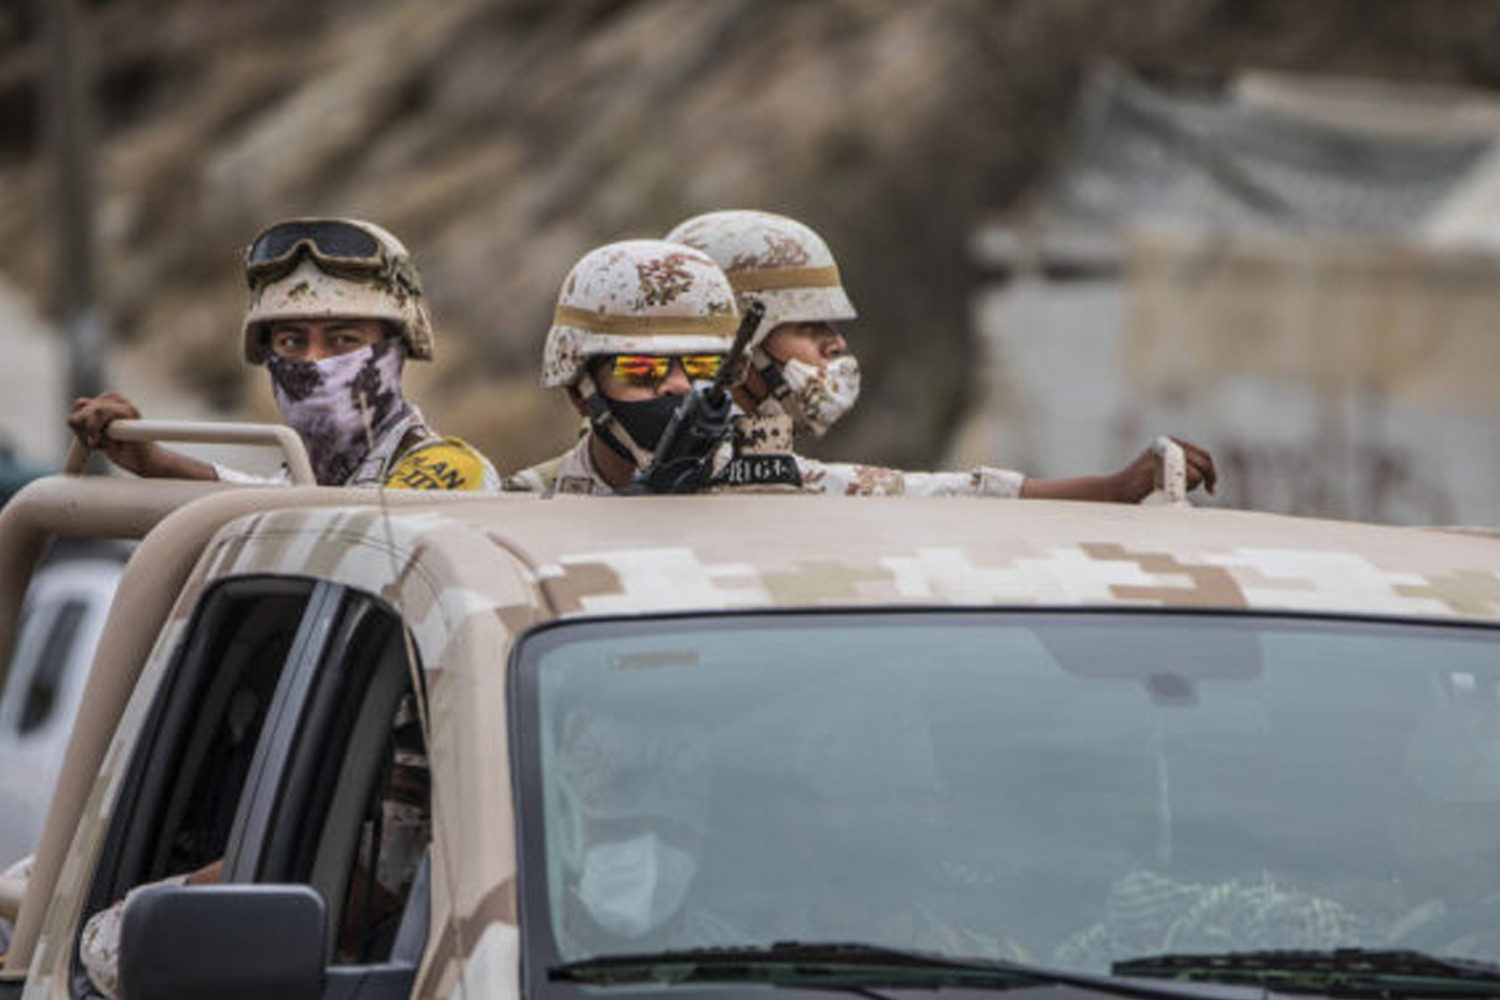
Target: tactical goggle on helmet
<point x="775" y="259"/>
<point x="333" y="269"/>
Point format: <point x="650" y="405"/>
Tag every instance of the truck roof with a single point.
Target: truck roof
<point x="629" y="556"/>
<point x="468" y="574"/>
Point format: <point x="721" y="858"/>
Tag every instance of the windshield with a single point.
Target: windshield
<point x="1066" y="789"/>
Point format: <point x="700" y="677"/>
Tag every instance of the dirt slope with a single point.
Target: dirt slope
<point x="503" y="138"/>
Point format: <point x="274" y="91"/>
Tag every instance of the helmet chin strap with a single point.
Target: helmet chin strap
<point x="769" y="370"/>
<point x="615" y="436"/>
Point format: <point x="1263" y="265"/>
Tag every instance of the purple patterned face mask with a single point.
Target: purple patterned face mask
<point x="328" y="403"/>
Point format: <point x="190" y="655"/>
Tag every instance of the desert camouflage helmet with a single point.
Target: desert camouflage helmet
<point x="646" y="296"/>
<point x="383" y="286"/>
<point x="777" y="260"/>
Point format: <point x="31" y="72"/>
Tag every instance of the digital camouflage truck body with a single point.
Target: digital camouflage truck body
<point x="466" y="578"/>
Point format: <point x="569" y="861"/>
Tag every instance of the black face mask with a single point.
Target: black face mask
<point x="645" y="420"/>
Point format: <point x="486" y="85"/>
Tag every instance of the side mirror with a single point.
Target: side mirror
<point x="230" y="942"/>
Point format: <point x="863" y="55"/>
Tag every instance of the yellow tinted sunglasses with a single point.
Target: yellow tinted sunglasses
<point x="650" y="370"/>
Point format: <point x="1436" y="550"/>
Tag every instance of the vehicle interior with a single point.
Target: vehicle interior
<point x="286" y="747"/>
<point x="1072" y="789"/>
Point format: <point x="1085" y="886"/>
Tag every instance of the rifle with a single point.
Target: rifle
<point x="683" y="459"/>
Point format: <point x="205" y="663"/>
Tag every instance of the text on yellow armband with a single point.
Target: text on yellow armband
<point x="449" y="464"/>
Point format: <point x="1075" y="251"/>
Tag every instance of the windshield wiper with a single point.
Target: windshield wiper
<point x="1344" y="971"/>
<point x="855" y="967"/>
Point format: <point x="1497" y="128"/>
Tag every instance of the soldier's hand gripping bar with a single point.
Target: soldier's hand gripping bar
<point x="683" y="460"/>
<point x="293" y="451"/>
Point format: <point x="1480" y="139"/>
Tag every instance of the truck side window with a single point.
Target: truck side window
<point x="391" y="847"/>
<point x="349" y="812"/>
<point x="285" y="747"/>
<point x="193" y="758"/>
<point x="46" y="682"/>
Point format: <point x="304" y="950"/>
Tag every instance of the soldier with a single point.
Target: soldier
<point x="335" y="310"/>
<point x="637" y="799"/>
<point x="801" y="369"/>
<point x="1443" y="817"/>
<point x="636" y="324"/>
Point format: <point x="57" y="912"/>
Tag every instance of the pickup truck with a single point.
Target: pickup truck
<point x="664" y="747"/>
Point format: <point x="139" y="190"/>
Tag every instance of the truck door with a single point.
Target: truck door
<point x="285" y="746"/>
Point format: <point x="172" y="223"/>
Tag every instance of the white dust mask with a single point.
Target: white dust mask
<point x="327" y="402"/>
<point x="821" y="394"/>
<point x="633" y="886"/>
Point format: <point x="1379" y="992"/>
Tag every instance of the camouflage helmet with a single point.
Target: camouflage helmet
<point x="306" y="281"/>
<point x="777" y="260"/>
<point x="639" y="295"/>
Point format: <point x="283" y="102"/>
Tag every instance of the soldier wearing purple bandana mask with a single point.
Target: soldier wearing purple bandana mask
<point x="340" y="404"/>
<point x="335" y="309"/>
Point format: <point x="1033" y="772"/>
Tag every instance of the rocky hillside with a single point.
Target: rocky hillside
<point x="503" y="138"/>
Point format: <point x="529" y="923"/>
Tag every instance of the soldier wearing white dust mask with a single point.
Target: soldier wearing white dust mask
<point x="803" y="378"/>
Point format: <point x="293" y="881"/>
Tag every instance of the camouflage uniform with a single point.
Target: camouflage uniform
<point x="633" y="297"/>
<point x="571" y="472"/>
<point x="850" y="480"/>
<point x="769" y="436"/>
<point x="407" y="453"/>
<point x="789" y="268"/>
<point x="99" y="947"/>
<point x="411" y="455"/>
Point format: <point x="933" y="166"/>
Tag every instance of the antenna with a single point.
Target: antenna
<point x="418" y="683"/>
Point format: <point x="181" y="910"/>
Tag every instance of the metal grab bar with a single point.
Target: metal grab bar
<point x="204" y="432"/>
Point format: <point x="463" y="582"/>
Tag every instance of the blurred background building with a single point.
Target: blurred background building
<point x="1069" y="225"/>
<point x="1298" y="270"/>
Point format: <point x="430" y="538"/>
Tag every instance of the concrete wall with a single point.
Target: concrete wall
<point x="1329" y="378"/>
<point x="33" y="380"/>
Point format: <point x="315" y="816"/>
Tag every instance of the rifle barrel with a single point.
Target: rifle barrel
<point x="749" y="323"/>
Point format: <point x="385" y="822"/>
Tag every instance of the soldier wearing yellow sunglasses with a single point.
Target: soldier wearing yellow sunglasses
<point x="636" y="324"/>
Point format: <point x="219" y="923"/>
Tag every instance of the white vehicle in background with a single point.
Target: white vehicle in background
<point x="63" y="616"/>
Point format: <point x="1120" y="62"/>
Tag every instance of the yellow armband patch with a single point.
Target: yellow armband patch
<point x="449" y="464"/>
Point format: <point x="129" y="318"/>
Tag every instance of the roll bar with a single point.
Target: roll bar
<point x="78" y="506"/>
<point x="174" y="520"/>
<point x="205" y="432"/>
